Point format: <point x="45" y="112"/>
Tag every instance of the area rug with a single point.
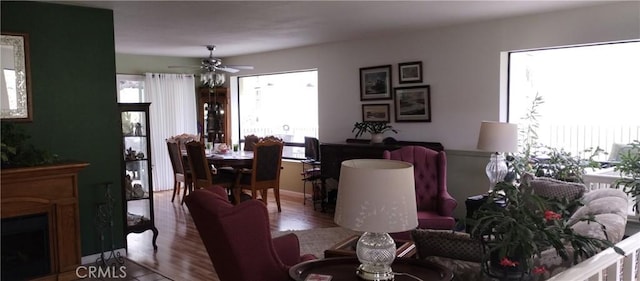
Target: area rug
<point x="315" y="241"/>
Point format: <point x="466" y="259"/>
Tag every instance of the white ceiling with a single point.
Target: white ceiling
<point x="183" y="28"/>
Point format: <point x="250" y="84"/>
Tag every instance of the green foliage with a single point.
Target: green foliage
<point x="629" y="168"/>
<point x="16" y="152"/>
<point x="546" y="161"/>
<point x="372" y="127"/>
<point x="519" y="225"/>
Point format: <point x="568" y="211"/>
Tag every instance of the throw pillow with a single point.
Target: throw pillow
<point x="447" y="243"/>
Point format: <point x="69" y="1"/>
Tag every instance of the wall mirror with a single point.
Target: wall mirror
<point x="15" y="86"/>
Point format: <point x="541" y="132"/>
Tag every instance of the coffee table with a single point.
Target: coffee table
<point x="344" y="269"/>
<point x="347" y="248"/>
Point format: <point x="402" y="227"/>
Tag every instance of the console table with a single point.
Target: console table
<point x="332" y="155"/>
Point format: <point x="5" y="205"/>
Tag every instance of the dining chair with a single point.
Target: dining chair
<point x="202" y="174"/>
<point x="250" y="141"/>
<point x="181" y="174"/>
<point x="264" y="173"/>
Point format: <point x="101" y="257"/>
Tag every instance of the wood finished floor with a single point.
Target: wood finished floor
<point x="181" y="254"/>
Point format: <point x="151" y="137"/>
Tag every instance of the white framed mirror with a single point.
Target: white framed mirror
<point x="15" y="84"/>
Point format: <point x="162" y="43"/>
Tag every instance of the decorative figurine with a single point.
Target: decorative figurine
<point x="138" y="130"/>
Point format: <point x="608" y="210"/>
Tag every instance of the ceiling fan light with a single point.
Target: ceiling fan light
<point x="212" y="79"/>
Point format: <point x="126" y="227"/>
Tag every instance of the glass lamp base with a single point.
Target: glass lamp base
<point x="376" y="252"/>
<point x="496" y="169"/>
<point x="366" y="275"/>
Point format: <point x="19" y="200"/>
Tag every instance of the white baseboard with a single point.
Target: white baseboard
<point x="92" y="258"/>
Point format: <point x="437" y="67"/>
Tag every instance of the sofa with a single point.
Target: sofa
<point x="462" y="254"/>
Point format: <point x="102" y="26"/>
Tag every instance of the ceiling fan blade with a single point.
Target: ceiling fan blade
<point x="241" y="66"/>
<point x="227" y="69"/>
<point x="184" y="66"/>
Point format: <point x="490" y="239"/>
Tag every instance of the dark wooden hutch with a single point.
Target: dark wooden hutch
<point x="215" y="124"/>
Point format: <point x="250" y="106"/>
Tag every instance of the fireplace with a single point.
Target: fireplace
<point x="25" y="247"/>
<point x="40" y="222"/>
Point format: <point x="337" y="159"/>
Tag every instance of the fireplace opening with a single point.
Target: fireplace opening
<point x="25" y="247"/>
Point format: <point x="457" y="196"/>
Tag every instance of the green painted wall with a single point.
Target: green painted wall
<point x="74" y="102"/>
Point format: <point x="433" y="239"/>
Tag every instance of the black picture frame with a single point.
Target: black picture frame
<point x="376" y="112"/>
<point x="413" y="104"/>
<point x="375" y="83"/>
<point x="410" y="72"/>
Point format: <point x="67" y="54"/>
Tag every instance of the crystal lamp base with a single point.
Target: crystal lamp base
<point x="376" y="252"/>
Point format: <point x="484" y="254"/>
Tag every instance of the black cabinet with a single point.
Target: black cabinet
<point x="137" y="185"/>
<point x="332" y="155"/>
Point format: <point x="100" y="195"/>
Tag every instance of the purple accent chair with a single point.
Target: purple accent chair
<point x="238" y="238"/>
<point x="435" y="205"/>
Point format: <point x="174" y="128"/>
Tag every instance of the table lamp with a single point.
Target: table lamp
<point x="497" y="137"/>
<point x="376" y="196"/>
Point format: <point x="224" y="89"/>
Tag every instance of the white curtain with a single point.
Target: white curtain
<point x="172" y="112"/>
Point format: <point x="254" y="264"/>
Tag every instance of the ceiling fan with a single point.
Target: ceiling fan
<point x="213" y="64"/>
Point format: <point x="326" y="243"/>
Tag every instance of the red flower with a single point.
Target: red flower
<point x="551" y="215"/>
<point x="507" y="262"/>
<point x="539" y="270"/>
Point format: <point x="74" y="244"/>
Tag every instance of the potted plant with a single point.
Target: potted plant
<point x="376" y="129"/>
<point x="629" y="168"/>
<point x="17" y="152"/>
<point x="516" y="226"/>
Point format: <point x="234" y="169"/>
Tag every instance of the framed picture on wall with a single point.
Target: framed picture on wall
<point x="375" y="113"/>
<point x="375" y="83"/>
<point x="410" y="72"/>
<point x="413" y="104"/>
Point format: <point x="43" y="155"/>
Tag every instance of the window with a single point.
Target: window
<point x="130" y="88"/>
<point x="590" y="95"/>
<point x="282" y="104"/>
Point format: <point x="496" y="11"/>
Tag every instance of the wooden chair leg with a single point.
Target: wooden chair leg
<point x="263" y="194"/>
<point x="276" y="193"/>
<point x="176" y="189"/>
<point x="236" y="194"/>
<point x="187" y="190"/>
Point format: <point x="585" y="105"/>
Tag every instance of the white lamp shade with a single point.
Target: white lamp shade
<point x="498" y="137"/>
<point x="376" y="195"/>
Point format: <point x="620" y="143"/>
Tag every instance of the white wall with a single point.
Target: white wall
<point x="461" y="63"/>
<point x="140" y="64"/>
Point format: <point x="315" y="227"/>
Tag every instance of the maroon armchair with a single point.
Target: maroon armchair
<point x="435" y="205"/>
<point x="238" y="238"/>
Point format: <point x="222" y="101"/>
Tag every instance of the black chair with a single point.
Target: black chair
<point x="311" y="170"/>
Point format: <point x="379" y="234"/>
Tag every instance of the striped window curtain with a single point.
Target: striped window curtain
<point x="172" y="112"/>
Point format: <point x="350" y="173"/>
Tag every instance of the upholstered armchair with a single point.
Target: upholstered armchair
<point x="435" y="205"/>
<point x="238" y="238"/>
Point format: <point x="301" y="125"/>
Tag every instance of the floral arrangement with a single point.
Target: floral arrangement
<point x="222" y="148"/>
<point x="515" y="226"/>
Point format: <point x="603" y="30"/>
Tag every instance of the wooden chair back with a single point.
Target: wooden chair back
<point x="250" y="142"/>
<point x="176" y="157"/>
<point x="200" y="168"/>
<point x="265" y="171"/>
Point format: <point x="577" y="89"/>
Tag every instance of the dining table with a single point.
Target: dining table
<point x="234" y="159"/>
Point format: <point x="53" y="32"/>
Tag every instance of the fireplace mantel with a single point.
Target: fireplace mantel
<point x="50" y="189"/>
